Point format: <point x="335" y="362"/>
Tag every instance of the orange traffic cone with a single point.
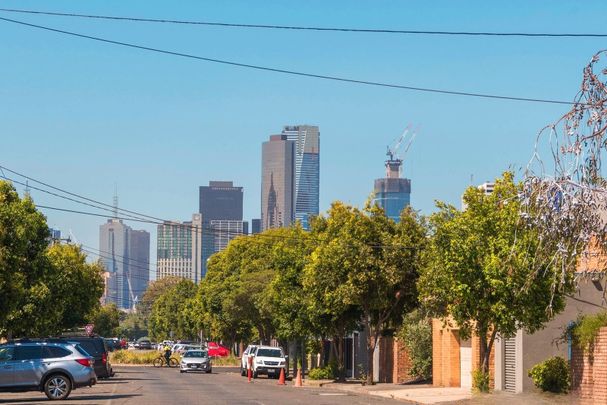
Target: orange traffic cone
<point x="298" y="382"/>
<point x="281" y="378"/>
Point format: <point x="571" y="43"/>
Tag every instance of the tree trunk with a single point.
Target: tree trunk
<point x="341" y="375"/>
<point x="485" y="349"/>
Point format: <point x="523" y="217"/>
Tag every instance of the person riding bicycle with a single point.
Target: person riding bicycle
<point x="167" y="353"/>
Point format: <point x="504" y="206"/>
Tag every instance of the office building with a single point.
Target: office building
<point x="179" y="249"/>
<point x="125" y="254"/>
<point x="277" y="182"/>
<point x="307" y="170"/>
<point x="255" y="226"/>
<point x="220" y="200"/>
<point x="392" y="193"/>
<point x="221" y="209"/>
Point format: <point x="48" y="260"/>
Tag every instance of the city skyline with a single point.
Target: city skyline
<point x="104" y="114"/>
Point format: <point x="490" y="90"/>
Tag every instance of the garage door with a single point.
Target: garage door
<point x="465" y="356"/>
<point x="510" y="364"/>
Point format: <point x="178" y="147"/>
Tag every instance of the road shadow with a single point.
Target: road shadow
<point x="94" y="397"/>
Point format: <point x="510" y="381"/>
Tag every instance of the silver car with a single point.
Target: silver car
<point x="54" y="368"/>
<point x="195" y="360"/>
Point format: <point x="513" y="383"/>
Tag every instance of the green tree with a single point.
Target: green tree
<point x="365" y="269"/>
<point x="23" y="263"/>
<point x="106" y="320"/>
<point x="169" y="315"/>
<point x="154" y="290"/>
<point x="132" y="326"/>
<point x="76" y="286"/>
<point x="482" y="269"/>
<point x="234" y="293"/>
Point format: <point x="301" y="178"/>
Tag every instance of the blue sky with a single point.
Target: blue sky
<point x="83" y="115"/>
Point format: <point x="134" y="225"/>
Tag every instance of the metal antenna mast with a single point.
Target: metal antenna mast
<point x="115" y="201"/>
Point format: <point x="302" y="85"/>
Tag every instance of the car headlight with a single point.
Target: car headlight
<point x="282" y="363"/>
<point x="259" y="361"/>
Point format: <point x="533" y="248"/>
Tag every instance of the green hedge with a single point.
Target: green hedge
<point x="552" y="375"/>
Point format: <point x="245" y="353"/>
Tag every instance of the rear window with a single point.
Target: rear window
<point x="82" y="351"/>
<point x="92" y="346"/>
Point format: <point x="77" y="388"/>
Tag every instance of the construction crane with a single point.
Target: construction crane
<point x="395" y="161"/>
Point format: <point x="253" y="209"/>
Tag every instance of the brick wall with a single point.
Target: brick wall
<point x="445" y="355"/>
<point x="589" y="371"/>
<point x="402" y="363"/>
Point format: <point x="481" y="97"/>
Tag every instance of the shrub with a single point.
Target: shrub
<point x="586" y="328"/>
<point x="131" y="357"/>
<point x="328" y="372"/>
<point x="552" y="375"/>
<point x="480" y="380"/>
<point x="231" y="360"/>
<point x="416" y="335"/>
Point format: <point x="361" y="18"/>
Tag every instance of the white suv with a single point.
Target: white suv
<point x="268" y="360"/>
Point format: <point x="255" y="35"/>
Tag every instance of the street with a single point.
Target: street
<point x="147" y="385"/>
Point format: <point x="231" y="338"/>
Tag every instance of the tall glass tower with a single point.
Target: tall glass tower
<point x="307" y="170"/>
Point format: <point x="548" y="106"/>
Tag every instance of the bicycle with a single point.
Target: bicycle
<point x="160" y="361"/>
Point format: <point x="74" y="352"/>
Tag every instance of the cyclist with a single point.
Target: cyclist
<point x="167" y="353"/>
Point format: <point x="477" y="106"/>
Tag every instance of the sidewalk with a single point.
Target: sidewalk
<point x="425" y="394"/>
<point x="416" y="394"/>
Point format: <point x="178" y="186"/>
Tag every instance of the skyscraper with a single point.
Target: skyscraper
<point x="277" y="182"/>
<point x="392" y="193"/>
<point x="255" y="226"/>
<point x="307" y="170"/>
<point x="125" y="254"/>
<point x="221" y="208"/>
<point x="220" y="200"/>
<point x="179" y="251"/>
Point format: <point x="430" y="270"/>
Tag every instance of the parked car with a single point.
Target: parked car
<point x="54" y="368"/>
<point x="96" y="347"/>
<point x="161" y="345"/>
<point x="195" y="360"/>
<point x="244" y="359"/>
<point x="180" y="348"/>
<point x="217" y="350"/>
<point x="268" y="360"/>
<point x="143" y="344"/>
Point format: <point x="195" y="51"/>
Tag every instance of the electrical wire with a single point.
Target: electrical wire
<point x="198" y="229"/>
<point x="293" y="72"/>
<point x="311" y="28"/>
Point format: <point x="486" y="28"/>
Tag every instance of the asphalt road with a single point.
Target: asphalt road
<point x="148" y="385"/>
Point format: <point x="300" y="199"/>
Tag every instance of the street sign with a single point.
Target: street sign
<point x="89" y="328"/>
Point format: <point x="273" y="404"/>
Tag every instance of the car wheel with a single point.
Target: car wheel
<point x="243" y="371"/>
<point x="57" y="387"/>
<point x="181" y="371"/>
<point x="254" y="374"/>
<point x="209" y="371"/>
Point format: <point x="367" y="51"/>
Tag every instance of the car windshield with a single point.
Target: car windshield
<point x="269" y="352"/>
<point x="196" y="353"/>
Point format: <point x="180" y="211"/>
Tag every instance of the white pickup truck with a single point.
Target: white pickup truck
<point x="268" y="360"/>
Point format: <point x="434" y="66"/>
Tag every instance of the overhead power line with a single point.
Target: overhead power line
<point x="310" y="28"/>
<point x="293" y="72"/>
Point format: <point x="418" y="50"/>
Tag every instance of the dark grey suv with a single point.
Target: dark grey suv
<point x="54" y="368"/>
